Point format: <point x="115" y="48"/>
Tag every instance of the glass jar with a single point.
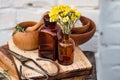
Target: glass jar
<point x="48" y="39"/>
<point x="66" y="47"/>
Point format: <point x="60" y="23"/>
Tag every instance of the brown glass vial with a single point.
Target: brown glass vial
<point x="66" y="47"/>
<point x="48" y="39"/>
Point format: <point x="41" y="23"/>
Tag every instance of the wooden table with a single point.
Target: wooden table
<point x="77" y="71"/>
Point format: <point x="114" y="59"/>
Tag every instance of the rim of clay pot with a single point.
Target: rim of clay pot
<point x="27" y="23"/>
<point x="84" y="37"/>
<point x="85" y="26"/>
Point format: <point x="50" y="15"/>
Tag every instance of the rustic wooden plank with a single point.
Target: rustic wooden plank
<point x="91" y="56"/>
<point x="75" y="78"/>
<point x="7" y="64"/>
<point x="81" y="64"/>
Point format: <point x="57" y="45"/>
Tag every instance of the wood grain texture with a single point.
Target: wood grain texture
<point x="7" y="63"/>
<point x="80" y="67"/>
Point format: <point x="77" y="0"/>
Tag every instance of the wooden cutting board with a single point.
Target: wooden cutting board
<point x="7" y="64"/>
<point x="80" y="67"/>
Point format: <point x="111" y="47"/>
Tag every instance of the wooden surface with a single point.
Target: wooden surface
<point x="7" y="63"/>
<point x="80" y="67"/>
<point x="91" y="56"/>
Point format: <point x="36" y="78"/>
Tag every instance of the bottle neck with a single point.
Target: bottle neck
<point x="66" y="36"/>
<point x="48" y="23"/>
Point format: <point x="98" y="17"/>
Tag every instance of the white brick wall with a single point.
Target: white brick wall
<point x="108" y="61"/>
<point x="7" y="18"/>
<point x="80" y="3"/>
<point x="6" y="3"/>
<point x="91" y="45"/>
<point x="5" y="35"/>
<point x="34" y="3"/>
<point x="30" y="14"/>
<point x="111" y="34"/>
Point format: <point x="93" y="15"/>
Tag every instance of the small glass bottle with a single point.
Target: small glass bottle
<point x="48" y="39"/>
<point x="66" y="50"/>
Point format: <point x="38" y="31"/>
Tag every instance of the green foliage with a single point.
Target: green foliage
<point x="18" y="28"/>
<point x="4" y="75"/>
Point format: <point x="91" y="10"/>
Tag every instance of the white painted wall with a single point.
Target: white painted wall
<point x="109" y="41"/>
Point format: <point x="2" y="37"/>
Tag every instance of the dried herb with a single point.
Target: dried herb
<point x="5" y="75"/>
<point x="18" y="28"/>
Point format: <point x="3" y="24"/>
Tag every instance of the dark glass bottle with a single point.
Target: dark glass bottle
<point x="66" y="47"/>
<point x="48" y="39"/>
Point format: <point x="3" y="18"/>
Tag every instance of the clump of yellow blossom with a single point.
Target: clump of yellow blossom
<point x="65" y="16"/>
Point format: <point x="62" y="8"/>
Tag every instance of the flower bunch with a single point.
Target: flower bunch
<point x="65" y="16"/>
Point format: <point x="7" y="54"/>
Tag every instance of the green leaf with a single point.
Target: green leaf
<point x="18" y="28"/>
<point x="5" y="75"/>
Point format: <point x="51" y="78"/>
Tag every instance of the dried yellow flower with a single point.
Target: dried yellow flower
<point x="65" y="16"/>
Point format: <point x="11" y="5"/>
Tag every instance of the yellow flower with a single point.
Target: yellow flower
<point x="65" y="19"/>
<point x="77" y="13"/>
<point x="73" y="17"/>
<point x="65" y="16"/>
<point x="53" y="17"/>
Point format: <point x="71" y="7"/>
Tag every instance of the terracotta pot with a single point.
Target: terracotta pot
<point x="81" y="38"/>
<point x="26" y="40"/>
<point x="85" y="26"/>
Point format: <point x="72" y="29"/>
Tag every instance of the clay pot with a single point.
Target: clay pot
<point x="85" y="26"/>
<point x="26" y="40"/>
<point x="81" y="38"/>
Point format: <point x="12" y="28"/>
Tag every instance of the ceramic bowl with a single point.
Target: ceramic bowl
<point x="81" y="38"/>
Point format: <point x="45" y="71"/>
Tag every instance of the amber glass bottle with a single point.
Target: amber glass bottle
<point x="48" y="39"/>
<point x="66" y="47"/>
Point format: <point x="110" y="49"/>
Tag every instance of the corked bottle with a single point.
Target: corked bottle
<point x="49" y="34"/>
